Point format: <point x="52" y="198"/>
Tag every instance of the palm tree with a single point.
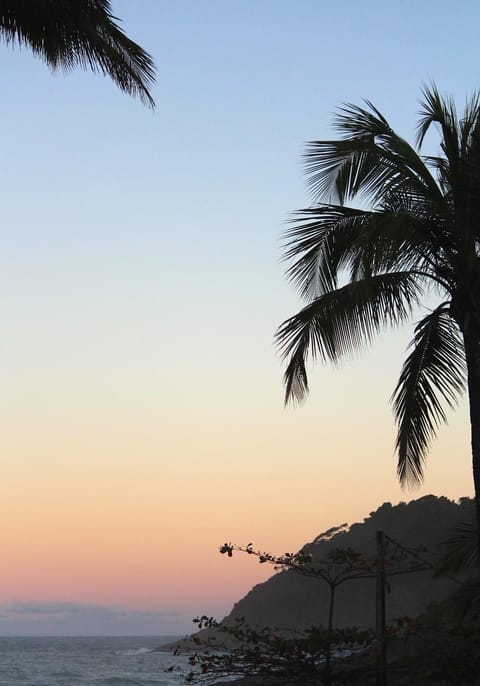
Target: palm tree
<point x="420" y="235"/>
<point x="79" y="33"/>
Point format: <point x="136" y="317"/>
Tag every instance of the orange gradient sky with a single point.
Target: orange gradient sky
<point x="140" y="396"/>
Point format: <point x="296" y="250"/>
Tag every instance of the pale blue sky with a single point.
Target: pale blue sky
<point x="139" y="264"/>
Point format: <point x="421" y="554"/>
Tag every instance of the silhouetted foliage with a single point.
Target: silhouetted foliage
<point x="460" y="557"/>
<point x="459" y="550"/>
<point x="266" y="652"/>
<point x="79" y="33"/>
<point x="340" y="565"/>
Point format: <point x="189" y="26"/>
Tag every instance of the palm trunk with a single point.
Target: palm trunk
<point x="472" y="355"/>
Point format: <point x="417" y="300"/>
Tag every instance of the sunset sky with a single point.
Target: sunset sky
<point x="141" y="401"/>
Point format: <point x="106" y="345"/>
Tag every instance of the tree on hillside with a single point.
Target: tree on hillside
<point x="79" y="33"/>
<point x="420" y="235"/>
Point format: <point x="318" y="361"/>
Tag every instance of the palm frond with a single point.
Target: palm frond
<point x="370" y="159"/>
<point x="460" y="550"/>
<point x="320" y="247"/>
<point x="341" y="322"/>
<point x="79" y="33"/>
<point x="469" y="125"/>
<point x="398" y="237"/>
<point x="423" y="235"/>
<point x="441" y="167"/>
<point x="395" y="239"/>
<point x="465" y="601"/>
<point x="435" y="109"/>
<point x="469" y="182"/>
<point x="433" y="371"/>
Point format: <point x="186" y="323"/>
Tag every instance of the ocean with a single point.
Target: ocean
<point x="94" y="661"/>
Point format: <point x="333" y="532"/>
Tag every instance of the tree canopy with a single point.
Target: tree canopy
<point x="359" y="270"/>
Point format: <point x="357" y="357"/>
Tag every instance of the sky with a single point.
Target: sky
<point x="141" y="401"/>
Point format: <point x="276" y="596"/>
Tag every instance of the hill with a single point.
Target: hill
<point x="292" y="601"/>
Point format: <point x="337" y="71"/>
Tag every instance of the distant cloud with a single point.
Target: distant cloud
<point x="20" y="607"/>
<point x="20" y="618"/>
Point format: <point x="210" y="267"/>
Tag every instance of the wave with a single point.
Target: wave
<point x="122" y="681"/>
<point x="134" y="651"/>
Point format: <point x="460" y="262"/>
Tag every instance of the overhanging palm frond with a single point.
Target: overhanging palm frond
<point x="79" y="33"/>
<point x="433" y="371"/>
<point x="343" y="321"/>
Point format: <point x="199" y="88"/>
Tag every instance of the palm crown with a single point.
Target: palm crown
<point x="421" y="233"/>
<point x="79" y="33"/>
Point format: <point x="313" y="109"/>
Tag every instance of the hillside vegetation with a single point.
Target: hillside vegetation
<point x="291" y="601"/>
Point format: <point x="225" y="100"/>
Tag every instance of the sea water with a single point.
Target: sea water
<point x="95" y="661"/>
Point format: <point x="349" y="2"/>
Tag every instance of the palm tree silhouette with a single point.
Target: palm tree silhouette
<point x="79" y="33"/>
<point x="420" y="235"/>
